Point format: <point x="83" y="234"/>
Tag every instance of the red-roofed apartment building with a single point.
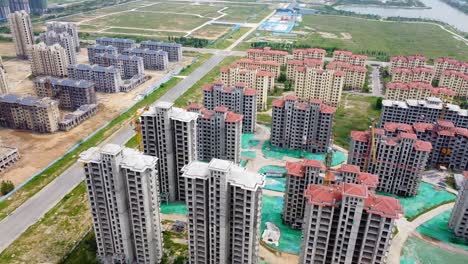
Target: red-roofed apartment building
<point x="443" y="63"/>
<point x="347" y="223"/>
<point x="268" y="54"/>
<point x="411" y="61"/>
<point x="457" y="81"/>
<point x="416" y="91"/>
<point x="349" y="57"/>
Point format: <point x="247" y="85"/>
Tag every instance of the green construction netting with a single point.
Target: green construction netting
<point x="290" y="240"/>
<point x="427" y="197"/>
<point x="248" y="154"/>
<point x="243" y="163"/>
<point x="248" y="141"/>
<point x="272" y="169"/>
<point x="274" y="183"/>
<point x="437" y="228"/>
<point x="278" y="153"/>
<point x="418" y="251"/>
<point x="173" y="208"/>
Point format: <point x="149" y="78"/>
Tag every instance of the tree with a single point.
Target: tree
<point x="6" y="187"/>
<point x="282" y="77"/>
<point x="378" y="103"/>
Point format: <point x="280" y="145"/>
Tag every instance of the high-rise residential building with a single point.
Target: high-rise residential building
<point x="398" y="160"/>
<point x="312" y="53"/>
<point x="219" y="133"/>
<point x="259" y="80"/>
<point x="347" y="223"/>
<point x="106" y="79"/>
<point x="411" y="61"/>
<point x="48" y="60"/>
<point x="128" y="66"/>
<point x="306" y="63"/>
<point x="122" y="186"/>
<point x="312" y="83"/>
<point x="38" y="7"/>
<point x="170" y="134"/>
<point x="237" y="98"/>
<point x="152" y="59"/>
<point x="458" y="222"/>
<point x="3" y="82"/>
<point x="268" y="54"/>
<point x="70" y="93"/>
<point x="224" y="203"/>
<point x="355" y="76"/>
<point x="21" y="31"/>
<point x="426" y="111"/>
<point x="406" y="75"/>
<point x="29" y="113"/>
<point x="416" y="91"/>
<point x="20" y="5"/>
<point x="349" y="57"/>
<point x="443" y="63"/>
<point x="457" y="81"/>
<point x="302" y="125"/>
<point x="4" y="9"/>
<point x="269" y="66"/>
<point x="93" y="50"/>
<point x="173" y="50"/>
<point x="64" y="40"/>
<point x="120" y="43"/>
<point x="65" y="27"/>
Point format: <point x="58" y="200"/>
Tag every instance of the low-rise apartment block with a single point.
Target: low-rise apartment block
<point x="355" y="76"/>
<point x="407" y="75"/>
<point x="173" y="50"/>
<point x="304" y="125"/>
<point x="65" y="27"/>
<point x="269" y="66"/>
<point x="416" y="91"/>
<point x="443" y="63"/>
<point x="120" y="43"/>
<point x="3" y="82"/>
<point x="93" y="50"/>
<point x="311" y="53"/>
<point x="411" y="61"/>
<point x="347" y="223"/>
<point x="458" y="222"/>
<point x="398" y="160"/>
<point x="457" y="81"/>
<point x="21" y="31"/>
<point x="170" y="134"/>
<point x="105" y="79"/>
<point x="224" y="203"/>
<point x="128" y="65"/>
<point x="64" y="40"/>
<point x="259" y="80"/>
<point x="306" y="63"/>
<point x="29" y="113"/>
<point x="349" y="57"/>
<point x="426" y="111"/>
<point x="237" y="98"/>
<point x="123" y="193"/>
<point x="219" y="133"/>
<point x="8" y="157"/>
<point x="268" y="54"/>
<point x="78" y="116"/>
<point x="48" y="60"/>
<point x="152" y="59"/>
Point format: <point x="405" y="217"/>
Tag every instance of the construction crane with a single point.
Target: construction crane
<point x="444" y="107"/>
<point x="137" y="127"/>
<point x="373" y="153"/>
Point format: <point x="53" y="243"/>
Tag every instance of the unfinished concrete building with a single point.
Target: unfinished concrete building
<point x="347" y="223"/>
<point x="349" y="57"/>
<point x="458" y="221"/>
<point x="311" y="53"/>
<point x="417" y="91"/>
<point x="457" y="81"/>
<point x="444" y="63"/>
<point x="8" y="157"/>
<point x="426" y="111"/>
<point x="152" y="59"/>
<point x="123" y="192"/>
<point x="170" y="134"/>
<point x="224" y="203"/>
<point x="78" y="116"/>
<point x="120" y="43"/>
<point x="64" y="40"/>
<point x="93" y="50"/>
<point x="219" y="133"/>
<point x="19" y="5"/>
<point x="128" y="66"/>
<point x="105" y="79"/>
<point x="302" y="125"/>
<point x="71" y="93"/>
<point x="29" y="113"/>
<point x="398" y="160"/>
<point x="21" y="31"/>
<point x="268" y="54"/>
<point x="65" y="27"/>
<point x="48" y="60"/>
<point x="174" y="50"/>
<point x="3" y="82"/>
<point x="238" y="99"/>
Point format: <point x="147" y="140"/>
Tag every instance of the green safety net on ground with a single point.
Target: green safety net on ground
<point x="174" y="208"/>
<point x="290" y="240"/>
<point x="418" y="251"/>
<point x="248" y="154"/>
<point x="279" y="153"/>
<point x="248" y="141"/>
<point x="274" y="183"/>
<point x="243" y="163"/>
<point x="427" y="197"/>
<point x="437" y="228"/>
<point x="272" y="169"/>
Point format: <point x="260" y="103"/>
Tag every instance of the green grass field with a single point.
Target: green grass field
<point x="211" y="31"/>
<point x="143" y="32"/>
<point x="246" y="13"/>
<point x="225" y="43"/>
<point x="203" y="10"/>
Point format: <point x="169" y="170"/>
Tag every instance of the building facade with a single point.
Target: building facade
<point x="355" y="76"/>
<point x="444" y="63"/>
<point x="302" y="125"/>
<point x="349" y="57"/>
<point x="48" y="60"/>
<point x="458" y="221"/>
<point x="64" y="40"/>
<point x="269" y="66"/>
<point x="93" y="50"/>
<point x="122" y="187"/>
<point x="174" y="50"/>
<point x="78" y="116"/>
<point x="407" y="75"/>
<point x="19" y="5"/>
<point x="411" y="61"/>
<point x="417" y="91"/>
<point x="120" y="43"/>
<point x="21" y="31"/>
<point x="65" y="27"/>
<point x="105" y="79"/>
<point x="3" y="82"/>
<point x="128" y="65"/>
<point x="152" y="59"/>
<point x="224" y="203"/>
<point x="311" y="53"/>
<point x="457" y="81"/>
<point x="8" y="157"/>
<point x="306" y="63"/>
<point x="268" y="54"/>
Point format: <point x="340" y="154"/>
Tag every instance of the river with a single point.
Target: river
<point x="438" y="11"/>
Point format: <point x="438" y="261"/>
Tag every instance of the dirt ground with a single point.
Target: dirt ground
<point x="7" y="49"/>
<point x="280" y="258"/>
<point x="38" y="150"/>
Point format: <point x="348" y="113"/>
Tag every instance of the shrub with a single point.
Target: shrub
<point x="6" y="187"/>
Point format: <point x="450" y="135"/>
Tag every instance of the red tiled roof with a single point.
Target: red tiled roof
<point x="339" y="73"/>
<point x="422" y="127"/>
<point x="265" y="73"/>
<point x="355" y="190"/>
<point x="342" y="52"/>
<point x="349" y="168"/>
<point x="322" y="195"/>
<point x="221" y="109"/>
<point x="224" y="69"/>
<point x="296" y="62"/>
<point x="422" y="69"/>
<point x="295" y="169"/>
<point x="313" y="62"/>
<point x="445" y="123"/>
<point x="326" y="109"/>
<point x="268" y="50"/>
<point x="290" y="97"/>
<point x="233" y="117"/>
<point x="359" y="56"/>
<point x="358" y="68"/>
<point x="208" y="87"/>
<point x="314" y="163"/>
<point x="392" y="127"/>
<point x="448" y="133"/>
<point x="442" y="90"/>
<point x="384" y="206"/>
<point x="465" y="174"/>
<point x="398" y="58"/>
<point x="250" y="92"/>
<point x="400" y="70"/>
<point x="408" y="135"/>
<point x="310" y="50"/>
<point x="315" y="101"/>
<point x="361" y="136"/>
<point x="422" y="146"/>
<point x="397" y="85"/>
<point x="416" y="57"/>
<point x="448" y="60"/>
<point x="194" y="106"/>
<point x="337" y="65"/>
<point x="461" y="131"/>
<point x="278" y="103"/>
<point x="368" y="179"/>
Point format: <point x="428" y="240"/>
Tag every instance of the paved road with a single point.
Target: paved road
<point x="377" y="87"/>
<point x="33" y="209"/>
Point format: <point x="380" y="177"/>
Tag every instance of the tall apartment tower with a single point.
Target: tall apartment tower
<point x="224" y="204"/>
<point x="4" y="9"/>
<point x="347" y="223"/>
<point x="64" y="40"/>
<point x="122" y="185"/>
<point x="48" y="60"/>
<point x="399" y="161"/>
<point x="268" y="54"/>
<point x="106" y="79"/>
<point x="93" y="50"/>
<point x="459" y="218"/>
<point x="21" y="30"/>
<point x="3" y="82"/>
<point x="65" y="27"/>
<point x="20" y="5"/>
<point x="301" y="125"/>
<point x="173" y="50"/>
<point x="238" y="98"/>
<point x="170" y="134"/>
<point x="120" y="43"/>
<point x="219" y="133"/>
